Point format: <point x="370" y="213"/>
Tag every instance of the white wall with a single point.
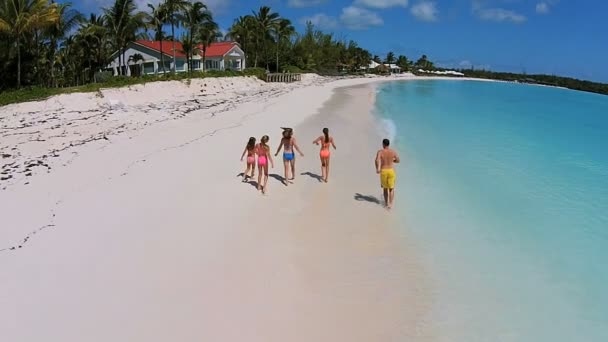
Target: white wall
<point x="150" y="55"/>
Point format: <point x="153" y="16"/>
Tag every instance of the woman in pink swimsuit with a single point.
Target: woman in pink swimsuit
<point x="250" y="151"/>
<point x="325" y="141"/>
<point x="263" y="151"/>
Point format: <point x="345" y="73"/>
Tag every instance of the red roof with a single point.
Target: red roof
<point x="213" y="50"/>
<point x="217" y="49"/>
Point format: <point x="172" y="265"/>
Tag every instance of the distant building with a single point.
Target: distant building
<point x="219" y="56"/>
<point x="393" y="68"/>
<point x="438" y="72"/>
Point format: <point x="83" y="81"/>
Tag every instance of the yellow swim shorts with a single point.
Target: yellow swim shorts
<point x="387" y="178"/>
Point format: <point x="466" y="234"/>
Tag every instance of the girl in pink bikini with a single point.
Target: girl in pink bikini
<point x="250" y="151"/>
<point x="325" y="141"/>
<point x="264" y="156"/>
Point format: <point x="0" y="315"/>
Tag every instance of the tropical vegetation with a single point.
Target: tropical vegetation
<point x="549" y="80"/>
<point x="46" y="44"/>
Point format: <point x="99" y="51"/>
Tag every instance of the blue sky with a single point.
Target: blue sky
<point x="563" y="37"/>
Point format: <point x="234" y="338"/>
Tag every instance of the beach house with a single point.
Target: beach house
<point x="143" y="57"/>
<point x="382" y="68"/>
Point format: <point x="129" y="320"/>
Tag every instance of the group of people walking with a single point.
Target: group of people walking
<point x="385" y="160"/>
<point x="289" y="146"/>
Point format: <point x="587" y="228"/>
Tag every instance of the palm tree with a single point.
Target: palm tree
<point x="403" y="63"/>
<point x="93" y="35"/>
<point x="173" y="8"/>
<point x="283" y="30"/>
<point x="21" y="17"/>
<point x="265" y="22"/>
<point x="155" y="20"/>
<point x="196" y="16"/>
<point x="188" y="49"/>
<point x="243" y="32"/>
<point x="135" y="59"/>
<point x="424" y="63"/>
<point x="208" y="33"/>
<point x="123" y="22"/>
<point x="390" y="58"/>
<point x="377" y="59"/>
<point x="68" y="19"/>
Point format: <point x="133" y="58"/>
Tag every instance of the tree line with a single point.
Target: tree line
<point x="550" y="80"/>
<point x="43" y="43"/>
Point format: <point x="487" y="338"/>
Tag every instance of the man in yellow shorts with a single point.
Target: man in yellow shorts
<point x="385" y="160"/>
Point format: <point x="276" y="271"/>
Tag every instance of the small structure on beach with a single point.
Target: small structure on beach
<point x="218" y="56"/>
<point x="383" y="68"/>
<point x="283" y="77"/>
<point x="444" y="73"/>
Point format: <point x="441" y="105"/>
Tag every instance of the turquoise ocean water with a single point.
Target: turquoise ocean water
<point x="504" y="188"/>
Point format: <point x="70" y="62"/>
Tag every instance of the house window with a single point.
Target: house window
<point x="149" y="68"/>
<point x="196" y="65"/>
<point x="212" y="65"/>
<point x="167" y="66"/>
<point x="180" y="65"/>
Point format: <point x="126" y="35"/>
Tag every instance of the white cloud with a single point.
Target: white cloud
<point x="425" y="11"/>
<point x="381" y="3"/>
<point x="321" y="21"/>
<point x="542" y="8"/>
<point x="496" y="14"/>
<point x="500" y="15"/>
<point x="356" y="18"/>
<point x="304" y="3"/>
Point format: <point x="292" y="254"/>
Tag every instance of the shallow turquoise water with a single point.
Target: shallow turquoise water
<point x="505" y="189"/>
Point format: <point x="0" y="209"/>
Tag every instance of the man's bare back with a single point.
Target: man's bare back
<point x="387" y="158"/>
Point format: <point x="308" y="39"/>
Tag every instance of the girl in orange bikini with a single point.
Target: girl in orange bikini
<point x="263" y="151"/>
<point x="250" y="151"/>
<point x="325" y="141"/>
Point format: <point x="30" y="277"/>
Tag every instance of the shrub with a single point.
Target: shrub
<point x="103" y="76"/>
<point x="292" y="69"/>
<point x="258" y="72"/>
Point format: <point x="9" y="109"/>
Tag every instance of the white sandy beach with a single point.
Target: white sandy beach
<point x="123" y="219"/>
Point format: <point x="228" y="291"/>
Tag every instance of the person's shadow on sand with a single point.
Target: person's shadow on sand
<point x="249" y="181"/>
<point x="277" y="177"/>
<point x="370" y="199"/>
<point x="313" y="175"/>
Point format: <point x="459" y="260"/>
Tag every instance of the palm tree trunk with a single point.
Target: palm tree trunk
<point x="278" y="56"/>
<point x="173" y="34"/>
<point x="124" y="50"/>
<point x="18" y="64"/>
<point x="257" y="45"/>
<point x="37" y="57"/>
<point x="162" y="55"/>
<point x="204" y="56"/>
<point x="53" y="82"/>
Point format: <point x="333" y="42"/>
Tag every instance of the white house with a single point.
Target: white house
<point x="218" y="56"/>
<point x="395" y="69"/>
<point x="373" y="65"/>
<point x="446" y="72"/>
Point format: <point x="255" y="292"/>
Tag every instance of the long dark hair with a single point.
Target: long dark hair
<point x="287" y="133"/>
<point x="326" y="133"/>
<point x="251" y="144"/>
